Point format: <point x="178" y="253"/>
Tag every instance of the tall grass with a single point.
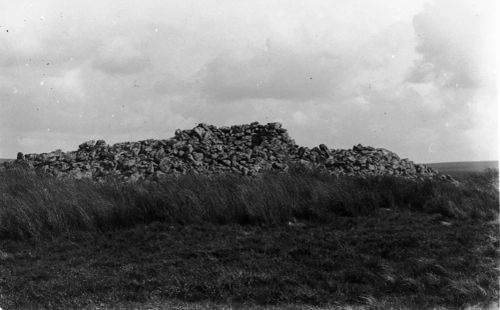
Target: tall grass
<point x="33" y="205"/>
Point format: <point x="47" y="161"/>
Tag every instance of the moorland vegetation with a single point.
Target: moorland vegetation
<point x="304" y="237"/>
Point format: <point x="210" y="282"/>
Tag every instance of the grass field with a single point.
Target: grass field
<point x="464" y="167"/>
<point x="298" y="240"/>
<point x="2" y="160"/>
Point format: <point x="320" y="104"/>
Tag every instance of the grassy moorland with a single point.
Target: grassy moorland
<point x="464" y="167"/>
<point x="295" y="239"/>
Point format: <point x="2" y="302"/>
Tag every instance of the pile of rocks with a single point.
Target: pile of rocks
<point x="244" y="149"/>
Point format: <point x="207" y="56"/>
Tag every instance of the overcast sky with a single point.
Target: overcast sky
<point x="416" y="77"/>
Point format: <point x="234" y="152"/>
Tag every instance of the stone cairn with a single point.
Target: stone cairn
<point x="244" y="149"/>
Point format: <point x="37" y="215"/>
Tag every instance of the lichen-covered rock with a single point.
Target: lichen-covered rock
<point x="245" y="149"/>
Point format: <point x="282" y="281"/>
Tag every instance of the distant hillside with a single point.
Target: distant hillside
<point x="2" y="160"/>
<point x="464" y="166"/>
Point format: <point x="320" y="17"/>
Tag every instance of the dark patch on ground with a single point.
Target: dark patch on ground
<point x="414" y="257"/>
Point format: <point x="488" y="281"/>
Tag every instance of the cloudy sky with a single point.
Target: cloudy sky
<point x="414" y="76"/>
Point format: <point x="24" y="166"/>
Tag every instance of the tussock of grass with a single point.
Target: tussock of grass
<point x="301" y="238"/>
<point x="34" y="205"/>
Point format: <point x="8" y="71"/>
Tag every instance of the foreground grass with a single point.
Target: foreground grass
<point x="38" y="206"/>
<point x="297" y="239"/>
<point x="411" y="259"/>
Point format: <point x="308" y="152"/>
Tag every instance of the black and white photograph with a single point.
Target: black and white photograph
<point x="249" y="154"/>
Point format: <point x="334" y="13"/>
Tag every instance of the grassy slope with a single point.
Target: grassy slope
<point x="464" y="167"/>
<point x="2" y="160"/>
<point x="284" y="239"/>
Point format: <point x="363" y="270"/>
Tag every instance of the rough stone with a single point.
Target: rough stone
<point x="245" y="149"/>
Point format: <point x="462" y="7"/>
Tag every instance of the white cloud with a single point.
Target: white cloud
<point x="69" y="82"/>
<point x="300" y="118"/>
<point x="274" y="73"/>
<point x="454" y="74"/>
<point x="119" y="56"/>
<point x="381" y="73"/>
<point x="450" y="42"/>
